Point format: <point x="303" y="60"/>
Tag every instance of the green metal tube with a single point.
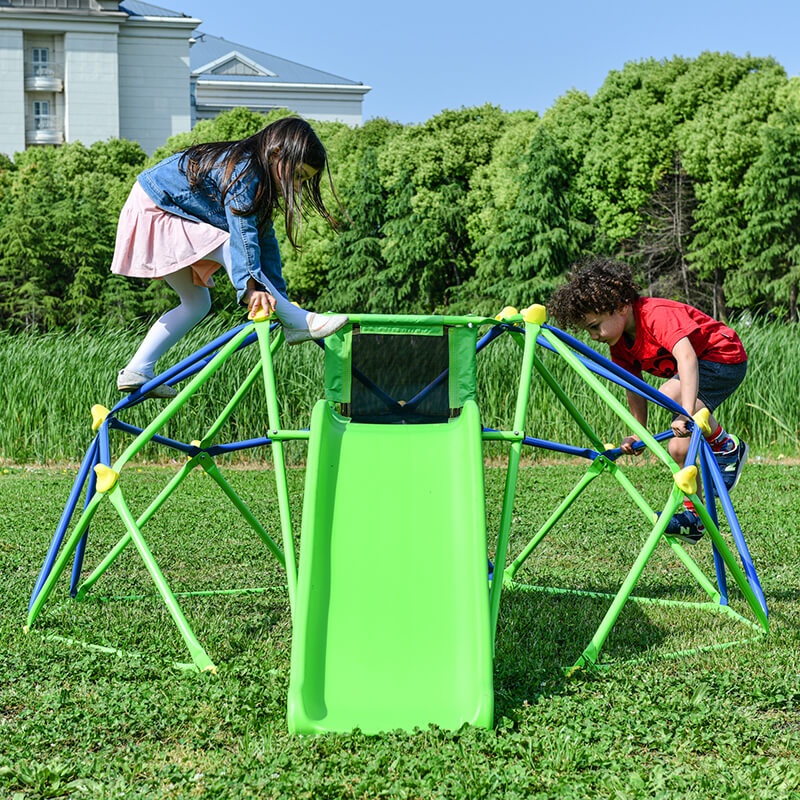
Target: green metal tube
<point x="123" y="598"/>
<point x="177" y="402"/>
<point x="634" y="493"/>
<point x="623" y="413"/>
<point x="594" y="470"/>
<point x="653" y="601"/>
<point x="526" y="371"/>
<point x="63" y="558"/>
<point x="290" y="558"/>
<point x="412" y="320"/>
<point x="730" y="562"/>
<point x="502" y="436"/>
<point x="288" y="435"/>
<point x="232" y="403"/>
<point x="592" y="651"/>
<point x="567" y="403"/>
<point x="174" y="482"/>
<point x="211" y="469"/>
<point x="198" y="654"/>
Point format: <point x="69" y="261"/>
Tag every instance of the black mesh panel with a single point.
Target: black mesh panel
<point x="395" y="370"/>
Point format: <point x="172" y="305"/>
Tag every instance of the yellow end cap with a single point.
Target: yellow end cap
<point x="210" y="668"/>
<point x="535" y="314"/>
<point x="686" y="479"/>
<point x="508" y="311"/>
<point x="259" y="316"/>
<point x="26" y="629"/>
<point x="701" y="418"/>
<point x="106" y="478"/>
<point x="99" y="414"/>
<point x="195" y="443"/>
<point x="609" y="445"/>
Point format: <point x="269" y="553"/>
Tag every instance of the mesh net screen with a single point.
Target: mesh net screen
<point x="389" y="372"/>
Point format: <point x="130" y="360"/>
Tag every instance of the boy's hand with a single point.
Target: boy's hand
<point x="680" y="427"/>
<point x="627" y="446"/>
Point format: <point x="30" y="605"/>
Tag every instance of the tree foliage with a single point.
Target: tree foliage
<point x="687" y="168"/>
<point x="770" y="273"/>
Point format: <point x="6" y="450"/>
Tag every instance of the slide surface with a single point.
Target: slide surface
<point x="391" y="625"/>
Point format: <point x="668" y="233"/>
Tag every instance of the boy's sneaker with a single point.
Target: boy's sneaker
<point x="129" y="380"/>
<point x="731" y="461"/>
<point x="686" y="526"/>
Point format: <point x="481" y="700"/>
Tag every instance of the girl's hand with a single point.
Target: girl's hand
<point x="257" y="300"/>
<point x="680" y="427"/>
<point x="627" y="446"/>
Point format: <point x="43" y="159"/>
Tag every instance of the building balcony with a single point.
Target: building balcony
<point x="44" y="130"/>
<point x="43" y="79"/>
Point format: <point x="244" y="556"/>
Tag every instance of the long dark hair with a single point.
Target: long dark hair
<point x="292" y="142"/>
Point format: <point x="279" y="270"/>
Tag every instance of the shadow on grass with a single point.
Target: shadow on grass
<point x="541" y="635"/>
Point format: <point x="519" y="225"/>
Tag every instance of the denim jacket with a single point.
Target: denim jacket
<point x="253" y="255"/>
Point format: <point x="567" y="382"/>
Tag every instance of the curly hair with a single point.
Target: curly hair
<point x="599" y="286"/>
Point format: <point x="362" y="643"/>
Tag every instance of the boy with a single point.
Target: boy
<point x="703" y="360"/>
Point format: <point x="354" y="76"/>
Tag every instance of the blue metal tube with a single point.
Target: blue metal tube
<point x="66" y="516"/>
<point x="124" y="426"/>
<point x="219" y="449"/>
<point x="174" y="373"/>
<point x="80" y="549"/>
<point x="736" y="530"/>
<point x="711" y="505"/>
<point x="621" y="376"/>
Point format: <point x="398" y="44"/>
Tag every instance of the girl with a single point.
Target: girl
<point x="210" y="206"/>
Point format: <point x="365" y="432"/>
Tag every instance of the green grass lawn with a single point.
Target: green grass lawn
<point x="716" y="724"/>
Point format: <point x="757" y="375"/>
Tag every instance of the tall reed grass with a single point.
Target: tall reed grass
<point x="49" y="382"/>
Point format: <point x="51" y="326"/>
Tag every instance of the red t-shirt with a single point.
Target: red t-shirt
<point x="660" y="325"/>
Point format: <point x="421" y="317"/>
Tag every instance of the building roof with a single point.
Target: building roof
<point x="210" y="53"/>
<point x="138" y="9"/>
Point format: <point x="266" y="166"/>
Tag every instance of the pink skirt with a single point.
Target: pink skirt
<point x="152" y="243"/>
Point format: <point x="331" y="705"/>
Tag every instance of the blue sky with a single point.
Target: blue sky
<point x="421" y="57"/>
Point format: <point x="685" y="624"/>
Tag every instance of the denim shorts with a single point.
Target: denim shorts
<point x="717" y="382"/>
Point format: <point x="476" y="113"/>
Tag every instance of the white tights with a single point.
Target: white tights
<point x="195" y="303"/>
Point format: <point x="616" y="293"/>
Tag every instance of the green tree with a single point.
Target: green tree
<point x="719" y="145"/>
<point x="771" y="239"/>
<point x="357" y="279"/>
<point x="57" y="230"/>
<point x="428" y="172"/>
<point x="538" y="237"/>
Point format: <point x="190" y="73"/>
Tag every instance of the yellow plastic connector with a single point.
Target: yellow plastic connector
<point x="260" y="316"/>
<point x="701" y="418"/>
<point x="195" y="443"/>
<point x="609" y="445"/>
<point x="686" y="479"/>
<point x="210" y="668"/>
<point x="106" y="478"/>
<point x="508" y="311"/>
<point x="99" y="414"/>
<point x="535" y="314"/>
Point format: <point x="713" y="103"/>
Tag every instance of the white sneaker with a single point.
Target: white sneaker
<point x="319" y="326"/>
<point x="129" y="380"/>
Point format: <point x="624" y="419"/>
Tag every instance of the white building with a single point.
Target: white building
<point x="90" y="70"/>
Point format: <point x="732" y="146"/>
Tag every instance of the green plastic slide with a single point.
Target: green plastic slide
<point x="391" y="624"/>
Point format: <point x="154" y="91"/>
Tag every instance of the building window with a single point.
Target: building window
<point x="41" y="62"/>
<point x="41" y="115"/>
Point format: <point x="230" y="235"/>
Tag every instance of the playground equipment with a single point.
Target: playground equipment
<point x="394" y="619"/>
